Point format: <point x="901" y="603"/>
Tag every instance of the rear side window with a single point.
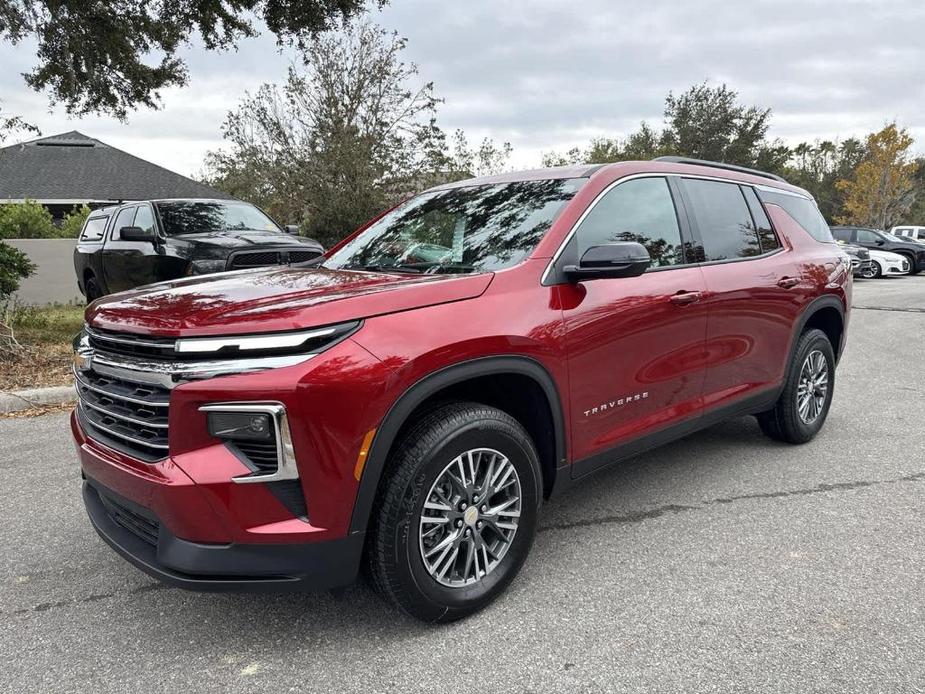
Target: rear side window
<point x="766" y="235"/>
<point x="723" y="219"/>
<point x="94" y="229"/>
<point x="804" y="212"/>
<point x="640" y="210"/>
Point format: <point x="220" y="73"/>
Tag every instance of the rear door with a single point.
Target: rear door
<point x="635" y="344"/>
<point x="753" y="292"/>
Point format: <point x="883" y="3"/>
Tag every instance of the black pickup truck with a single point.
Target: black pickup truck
<point x="125" y="246"/>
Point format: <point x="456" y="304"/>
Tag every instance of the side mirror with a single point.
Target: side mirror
<point x="610" y="260"/>
<point x="292" y="229"/>
<point x="880" y="242"/>
<point x="137" y="234"/>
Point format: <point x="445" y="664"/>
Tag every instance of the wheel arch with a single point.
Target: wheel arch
<point x="449" y="382"/>
<point x="827" y="313"/>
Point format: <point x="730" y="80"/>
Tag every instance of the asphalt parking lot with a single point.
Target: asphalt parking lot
<point x="724" y="562"/>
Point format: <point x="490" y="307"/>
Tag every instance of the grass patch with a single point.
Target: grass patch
<point x="45" y="333"/>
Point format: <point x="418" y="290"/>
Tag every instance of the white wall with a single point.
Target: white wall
<point x="54" y="279"/>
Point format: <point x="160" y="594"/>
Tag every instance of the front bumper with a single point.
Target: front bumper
<point x="137" y="534"/>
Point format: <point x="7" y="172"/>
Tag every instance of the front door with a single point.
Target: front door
<point x="128" y="264"/>
<point x="635" y="345"/>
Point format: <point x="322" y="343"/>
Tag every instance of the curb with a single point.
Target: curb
<point x="16" y="400"/>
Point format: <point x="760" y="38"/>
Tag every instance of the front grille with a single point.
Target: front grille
<point x="144" y="527"/>
<point x="262" y="454"/>
<point x="128" y="416"/>
<point x="252" y="259"/>
<point x="131" y="345"/>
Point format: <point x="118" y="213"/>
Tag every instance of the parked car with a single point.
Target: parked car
<point x="125" y="246"/>
<point x="278" y="429"/>
<point x="861" y="263"/>
<point x="909" y="232"/>
<point x="875" y="239"/>
<point x="886" y="264"/>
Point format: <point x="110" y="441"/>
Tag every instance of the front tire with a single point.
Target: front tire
<point x="457" y="514"/>
<point x="873" y="272"/>
<point x="804" y="403"/>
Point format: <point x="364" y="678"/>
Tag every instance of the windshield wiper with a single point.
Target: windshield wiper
<point x="378" y="267"/>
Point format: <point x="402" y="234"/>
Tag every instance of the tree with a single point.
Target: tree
<point x="818" y="166"/>
<point x="73" y="222"/>
<point x="882" y="188"/>
<point x="98" y="56"/>
<point x="351" y="132"/>
<point x="916" y="213"/>
<point x="703" y="123"/>
<point x="26" y="220"/>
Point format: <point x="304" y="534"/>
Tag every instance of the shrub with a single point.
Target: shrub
<point x="14" y="266"/>
<point x="26" y="220"/>
<point x="73" y="222"/>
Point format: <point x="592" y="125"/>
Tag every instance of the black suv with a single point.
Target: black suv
<point x="129" y="245"/>
<point x="882" y="241"/>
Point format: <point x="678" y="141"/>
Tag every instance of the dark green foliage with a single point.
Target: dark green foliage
<point x="14" y="267"/>
<point x="98" y="57"/>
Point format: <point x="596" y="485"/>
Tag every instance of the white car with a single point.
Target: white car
<point x="886" y="264"/>
<point x="911" y="232"/>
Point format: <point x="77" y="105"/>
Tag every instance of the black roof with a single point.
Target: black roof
<point x="74" y="167"/>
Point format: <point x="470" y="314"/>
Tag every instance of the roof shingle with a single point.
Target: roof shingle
<point x="72" y="166"/>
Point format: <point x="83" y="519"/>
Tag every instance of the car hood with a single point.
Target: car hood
<point x="238" y="239"/>
<point x="274" y="299"/>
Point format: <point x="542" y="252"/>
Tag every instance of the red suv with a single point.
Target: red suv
<point x="406" y="405"/>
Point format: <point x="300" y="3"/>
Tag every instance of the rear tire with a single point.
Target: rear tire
<point x="92" y="289"/>
<point x="424" y="559"/>
<point x="803" y="405"/>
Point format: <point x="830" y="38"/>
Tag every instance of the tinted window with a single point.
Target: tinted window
<point x="841" y="234"/>
<point x="145" y="218"/>
<point x="868" y="236"/>
<point x="125" y="218"/>
<point x="469" y="229"/>
<point x="210" y="217"/>
<point x="94" y="229"/>
<point x="640" y="210"/>
<point x="766" y="235"/>
<point x="804" y="212"/>
<point x="725" y="224"/>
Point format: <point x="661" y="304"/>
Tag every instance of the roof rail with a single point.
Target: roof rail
<point x="720" y="165"/>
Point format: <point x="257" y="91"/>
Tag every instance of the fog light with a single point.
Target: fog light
<point x="240" y="426"/>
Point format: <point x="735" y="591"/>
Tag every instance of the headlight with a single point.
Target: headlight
<point x="205" y="267"/>
<point x="303" y="342"/>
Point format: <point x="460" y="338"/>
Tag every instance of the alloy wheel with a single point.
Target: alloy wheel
<point x="470" y="517"/>
<point x="813" y="386"/>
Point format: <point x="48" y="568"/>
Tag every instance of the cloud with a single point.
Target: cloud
<point x="549" y="75"/>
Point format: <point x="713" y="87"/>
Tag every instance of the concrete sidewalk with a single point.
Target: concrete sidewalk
<point x="16" y="400"/>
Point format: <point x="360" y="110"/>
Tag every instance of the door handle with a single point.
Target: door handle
<point x="788" y="282"/>
<point x="683" y="298"/>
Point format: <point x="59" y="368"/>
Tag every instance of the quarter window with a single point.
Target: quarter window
<point x="723" y="218"/>
<point x="640" y="210"/>
<point x="804" y="212"/>
<point x="94" y="229"/>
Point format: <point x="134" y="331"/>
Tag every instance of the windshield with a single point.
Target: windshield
<point x="204" y="217"/>
<point x="471" y="229"/>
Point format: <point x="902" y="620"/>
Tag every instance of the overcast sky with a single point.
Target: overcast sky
<point x="549" y="75"/>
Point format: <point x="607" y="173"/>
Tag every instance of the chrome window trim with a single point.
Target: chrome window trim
<point x="652" y="174"/>
<point x="285" y="452"/>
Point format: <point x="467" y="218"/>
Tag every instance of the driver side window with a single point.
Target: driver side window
<point x="640" y="210"/>
<point x="865" y="236"/>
